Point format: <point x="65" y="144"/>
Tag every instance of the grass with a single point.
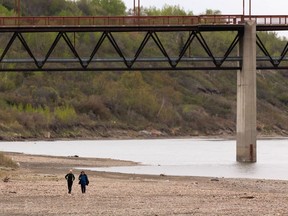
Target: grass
<point x="7" y="161"/>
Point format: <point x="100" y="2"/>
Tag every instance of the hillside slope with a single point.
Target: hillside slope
<point x="43" y="105"/>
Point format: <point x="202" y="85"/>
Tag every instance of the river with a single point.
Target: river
<point x="181" y="157"/>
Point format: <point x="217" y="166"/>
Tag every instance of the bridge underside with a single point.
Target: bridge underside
<point x="114" y="48"/>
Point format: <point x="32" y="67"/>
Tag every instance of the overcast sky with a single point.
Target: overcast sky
<point x="259" y="7"/>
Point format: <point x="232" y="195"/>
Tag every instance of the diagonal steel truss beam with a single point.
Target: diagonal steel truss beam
<point x="275" y="61"/>
<point x="230" y="60"/>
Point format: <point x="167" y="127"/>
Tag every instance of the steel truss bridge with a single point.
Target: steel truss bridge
<point x="52" y="35"/>
<point x="118" y="34"/>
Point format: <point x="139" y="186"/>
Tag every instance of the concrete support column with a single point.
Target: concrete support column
<point x="246" y="97"/>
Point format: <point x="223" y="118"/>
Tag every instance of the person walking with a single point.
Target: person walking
<point x="83" y="181"/>
<point x="70" y="178"/>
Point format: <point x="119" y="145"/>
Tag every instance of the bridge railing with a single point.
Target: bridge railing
<point x="270" y="20"/>
<point x="141" y="20"/>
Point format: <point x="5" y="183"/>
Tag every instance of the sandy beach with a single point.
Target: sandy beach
<point x="38" y="187"/>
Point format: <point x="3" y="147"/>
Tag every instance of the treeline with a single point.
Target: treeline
<point x="112" y="104"/>
<point x="86" y="8"/>
<point x="66" y="8"/>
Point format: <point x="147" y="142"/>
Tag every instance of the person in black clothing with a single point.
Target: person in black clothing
<point x="70" y="178"/>
<point x="83" y="181"/>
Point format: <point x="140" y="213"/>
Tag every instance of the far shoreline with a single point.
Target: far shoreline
<point x="260" y="137"/>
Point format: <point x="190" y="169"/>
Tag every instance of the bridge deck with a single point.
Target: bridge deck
<point x="272" y="22"/>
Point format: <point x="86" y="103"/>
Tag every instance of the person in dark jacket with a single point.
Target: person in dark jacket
<point x="70" y="178"/>
<point x="83" y="181"/>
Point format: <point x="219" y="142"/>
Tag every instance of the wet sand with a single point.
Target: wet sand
<point x="38" y="188"/>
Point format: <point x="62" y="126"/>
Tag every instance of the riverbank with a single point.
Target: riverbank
<point x="38" y="187"/>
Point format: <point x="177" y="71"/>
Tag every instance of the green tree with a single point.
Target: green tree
<point x="167" y="10"/>
<point x="109" y="7"/>
<point x="85" y="7"/>
<point x="4" y="11"/>
<point x="212" y="12"/>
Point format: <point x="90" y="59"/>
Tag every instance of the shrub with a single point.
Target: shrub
<point x="6" y="161"/>
<point x="66" y="114"/>
<point x="93" y="104"/>
<point x="33" y="121"/>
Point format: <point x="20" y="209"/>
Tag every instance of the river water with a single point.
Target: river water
<point x="181" y="157"/>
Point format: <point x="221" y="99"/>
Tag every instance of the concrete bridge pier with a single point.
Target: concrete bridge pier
<point x="246" y="97"/>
